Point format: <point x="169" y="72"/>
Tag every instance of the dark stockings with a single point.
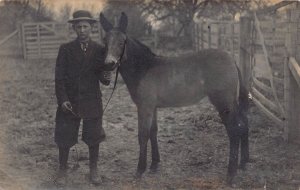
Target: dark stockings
<point x="63" y="158"/>
<point x="93" y="154"/>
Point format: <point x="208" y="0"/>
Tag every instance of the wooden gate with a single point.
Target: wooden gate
<point x="267" y="54"/>
<point x="273" y="75"/>
<point x="259" y="45"/>
<point x="42" y="40"/>
<point x="255" y="45"/>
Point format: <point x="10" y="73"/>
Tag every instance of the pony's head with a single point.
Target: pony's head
<point x="115" y="41"/>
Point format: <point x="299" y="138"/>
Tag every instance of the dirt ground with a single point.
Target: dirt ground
<point x="192" y="141"/>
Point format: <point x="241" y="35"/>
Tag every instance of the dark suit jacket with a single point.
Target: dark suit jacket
<point x="77" y="76"/>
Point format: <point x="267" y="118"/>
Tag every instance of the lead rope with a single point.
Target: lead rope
<point x="114" y="88"/>
<point x="116" y="79"/>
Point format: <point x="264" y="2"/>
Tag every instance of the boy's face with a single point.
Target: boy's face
<point x="83" y="30"/>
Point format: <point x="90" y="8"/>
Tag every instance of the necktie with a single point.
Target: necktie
<point x="84" y="46"/>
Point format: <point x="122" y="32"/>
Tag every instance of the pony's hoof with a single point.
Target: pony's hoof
<point x="232" y="181"/>
<point x="251" y="160"/>
<point x="154" y="168"/>
<point x="61" y="179"/>
<point x="244" y="163"/>
<point x="242" y="166"/>
<point x="138" y="175"/>
<point x="94" y="178"/>
<point x="229" y="180"/>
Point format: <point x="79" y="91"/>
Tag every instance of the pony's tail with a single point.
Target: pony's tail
<point x="243" y="99"/>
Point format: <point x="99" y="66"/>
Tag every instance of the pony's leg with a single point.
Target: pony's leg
<point x="229" y="119"/>
<point x="244" y="144"/>
<point x="237" y="129"/>
<point x="154" y="144"/>
<point x="233" y="158"/>
<point x="228" y="111"/>
<point x="145" y="115"/>
<point x="244" y="151"/>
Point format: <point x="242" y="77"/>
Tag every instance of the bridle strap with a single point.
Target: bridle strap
<point x="116" y="78"/>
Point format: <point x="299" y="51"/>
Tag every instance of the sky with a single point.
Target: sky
<point x="95" y="6"/>
<point x="92" y="5"/>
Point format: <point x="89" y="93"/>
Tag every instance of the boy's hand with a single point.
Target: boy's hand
<point x="107" y="75"/>
<point x="66" y="106"/>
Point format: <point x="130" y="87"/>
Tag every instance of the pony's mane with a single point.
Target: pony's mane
<point x="143" y="49"/>
<point x="141" y="57"/>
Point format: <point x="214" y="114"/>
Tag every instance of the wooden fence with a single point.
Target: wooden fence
<point x="217" y="34"/>
<point x="42" y="40"/>
<point x="273" y="75"/>
<point x="267" y="68"/>
<point x="259" y="45"/>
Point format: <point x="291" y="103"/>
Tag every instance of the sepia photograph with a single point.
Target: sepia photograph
<point x="150" y="95"/>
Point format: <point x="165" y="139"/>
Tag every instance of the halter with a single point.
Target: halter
<point x="117" y="74"/>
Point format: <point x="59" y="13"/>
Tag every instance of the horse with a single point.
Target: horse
<point x="158" y="82"/>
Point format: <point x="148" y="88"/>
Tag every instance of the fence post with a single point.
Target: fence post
<point x="202" y="35"/>
<point x="232" y="39"/>
<point x="197" y="36"/>
<point x="244" y="50"/>
<point x="291" y="88"/>
<point x="218" y="41"/>
<point x="209" y="35"/>
<point x="19" y="26"/>
<point x="292" y="94"/>
<point x="273" y="45"/>
<point x="39" y="40"/>
<point x="24" y="41"/>
<point x="287" y="98"/>
<point x="287" y="76"/>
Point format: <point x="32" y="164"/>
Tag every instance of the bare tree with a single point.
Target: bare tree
<point x="42" y="12"/>
<point x="65" y="12"/>
<point x="137" y="23"/>
<point x="185" y="10"/>
<point x="12" y="13"/>
<point x="38" y="10"/>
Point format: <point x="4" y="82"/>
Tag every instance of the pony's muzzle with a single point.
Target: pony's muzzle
<point x="110" y="63"/>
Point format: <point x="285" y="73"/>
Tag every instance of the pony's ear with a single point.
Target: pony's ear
<point x="123" y="22"/>
<point x="106" y="25"/>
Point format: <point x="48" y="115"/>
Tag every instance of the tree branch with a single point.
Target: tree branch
<point x="164" y="17"/>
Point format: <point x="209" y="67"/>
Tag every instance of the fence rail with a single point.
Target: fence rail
<point x="258" y="29"/>
<point x="42" y="40"/>
<point x="217" y="34"/>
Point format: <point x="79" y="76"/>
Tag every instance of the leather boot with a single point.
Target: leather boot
<point x="93" y="154"/>
<point x="61" y="176"/>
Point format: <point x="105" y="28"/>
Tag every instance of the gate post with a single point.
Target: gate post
<point x="244" y="50"/>
<point x="291" y="88"/>
<point x="23" y="41"/>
